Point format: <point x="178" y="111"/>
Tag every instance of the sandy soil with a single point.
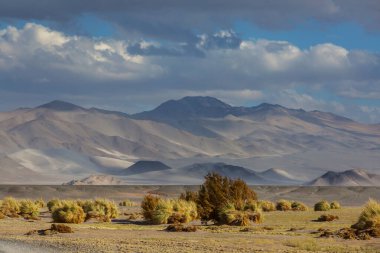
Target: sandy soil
<point x="280" y="232"/>
<point x="353" y="196"/>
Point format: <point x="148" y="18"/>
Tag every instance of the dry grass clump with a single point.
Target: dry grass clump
<point x="10" y="207"/>
<point x="283" y="205"/>
<point x="29" y="209"/>
<point x="54" y="203"/>
<point x="369" y="217"/>
<point x="230" y="216"/>
<point x="149" y="205"/>
<point x="327" y="217"/>
<point x="322" y="206"/>
<point x="69" y="212"/>
<point x="299" y="206"/>
<point x="181" y="228"/>
<point x="100" y="209"/>
<point x="40" y="202"/>
<point x="174" y="211"/>
<point x="2" y="216"/>
<point x="61" y="228"/>
<point x="335" y="205"/>
<point x="266" y="206"/>
<point x="127" y="203"/>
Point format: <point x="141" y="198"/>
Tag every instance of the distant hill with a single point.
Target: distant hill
<point x="353" y="177"/>
<point x="97" y="180"/>
<point x="144" y="167"/>
<point x="279" y="175"/>
<point x="59" y="141"/>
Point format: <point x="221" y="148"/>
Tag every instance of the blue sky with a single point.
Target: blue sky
<point x="131" y="56"/>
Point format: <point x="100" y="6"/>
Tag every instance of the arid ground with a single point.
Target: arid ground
<point x="280" y="232"/>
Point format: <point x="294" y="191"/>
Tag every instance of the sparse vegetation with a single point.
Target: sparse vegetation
<point x="335" y="205"/>
<point x="322" y="206"/>
<point x="230" y="216"/>
<point x="283" y="205"/>
<point x="266" y="206"/>
<point x="54" y="203"/>
<point x="149" y="205"/>
<point x="189" y="196"/>
<point x="217" y="192"/>
<point x="69" y="212"/>
<point x="100" y="209"/>
<point x="181" y="228"/>
<point x="10" y="207"/>
<point x="327" y="217"/>
<point x="174" y="211"/>
<point x="61" y="228"/>
<point x="40" y="202"/>
<point x="299" y="206"/>
<point x="29" y="209"/>
<point x="127" y="203"/>
<point x="369" y="217"/>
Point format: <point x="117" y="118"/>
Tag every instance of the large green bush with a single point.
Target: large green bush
<point x="217" y="192"/>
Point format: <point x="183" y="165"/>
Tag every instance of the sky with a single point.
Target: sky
<point x="130" y="56"/>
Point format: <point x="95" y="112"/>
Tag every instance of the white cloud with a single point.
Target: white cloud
<point x="37" y="52"/>
<point x="38" y="60"/>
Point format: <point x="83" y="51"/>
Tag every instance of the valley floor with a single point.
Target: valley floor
<point x="280" y="232"/>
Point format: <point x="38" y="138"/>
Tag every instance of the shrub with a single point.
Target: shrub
<point x="266" y="206"/>
<point x="69" y="212"/>
<point x="29" y="209"/>
<point x="100" y="209"/>
<point x="218" y="191"/>
<point x="327" y="217"/>
<point x="162" y="211"/>
<point x="149" y="205"/>
<point x="181" y="228"/>
<point x="230" y="216"/>
<point x="369" y="217"/>
<point x="189" y="196"/>
<point x="335" y="205"/>
<point x="61" y="228"/>
<point x="127" y="203"/>
<point x="2" y="216"/>
<point x="299" y="206"/>
<point x="322" y="206"/>
<point x="54" y="203"/>
<point x="252" y="206"/>
<point x="10" y="207"/>
<point x="283" y="205"/>
<point x="40" y="202"/>
<point x="174" y="211"/>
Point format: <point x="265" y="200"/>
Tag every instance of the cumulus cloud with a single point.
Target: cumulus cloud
<point x="38" y="60"/>
<point x="36" y="54"/>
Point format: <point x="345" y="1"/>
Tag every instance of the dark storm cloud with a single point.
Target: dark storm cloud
<point x="179" y="18"/>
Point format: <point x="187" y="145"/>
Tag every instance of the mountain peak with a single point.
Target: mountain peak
<point x="59" y="105"/>
<point x="189" y="107"/>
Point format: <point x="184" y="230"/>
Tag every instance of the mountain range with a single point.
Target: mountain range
<point x="59" y="141"/>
